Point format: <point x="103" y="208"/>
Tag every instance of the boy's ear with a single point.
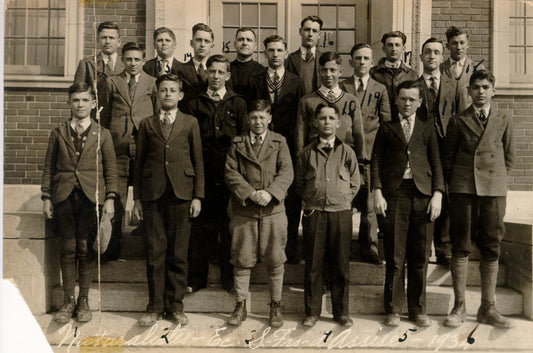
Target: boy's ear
<point x="228" y="76"/>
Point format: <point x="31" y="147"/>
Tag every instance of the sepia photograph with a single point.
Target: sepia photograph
<point x="277" y="175"/>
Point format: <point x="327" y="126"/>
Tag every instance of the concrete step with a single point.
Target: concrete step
<point x="364" y="299"/>
<point x="210" y="331"/>
<point x="134" y="271"/>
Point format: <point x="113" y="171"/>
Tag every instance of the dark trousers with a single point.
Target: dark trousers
<point x="477" y="219"/>
<point x="364" y="202"/>
<point x="327" y="237"/>
<point x="210" y="236"/>
<point x="408" y="233"/>
<point x="166" y="238"/>
<point x="441" y="234"/>
<point x="293" y="209"/>
<point x="75" y="225"/>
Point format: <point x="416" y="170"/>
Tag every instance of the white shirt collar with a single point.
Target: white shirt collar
<point x="365" y="79"/>
<point x="486" y="110"/>
<point x="336" y="90"/>
<point x="304" y="50"/>
<point x="221" y="92"/>
<point x="395" y="65"/>
<point x="280" y="71"/>
<point x="461" y="62"/>
<point x="172" y="114"/>
<point x="85" y="123"/>
<point x="196" y="63"/>
<point x="427" y="77"/>
<point x="169" y="59"/>
<point x="411" y="118"/>
<point x="263" y="135"/>
<point x="330" y="141"/>
<point x="136" y="77"/>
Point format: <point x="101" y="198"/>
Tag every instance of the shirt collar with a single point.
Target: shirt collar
<point x="427" y="77"/>
<point x="365" y="79"/>
<point x="196" y="63"/>
<point x="394" y="65"/>
<point x="263" y="135"/>
<point x="330" y="141"/>
<point x="304" y="50"/>
<point x="169" y="59"/>
<point x="486" y="110"/>
<point x="336" y="90"/>
<point x="461" y="62"/>
<point x="411" y="118"/>
<point x="280" y="71"/>
<point x="172" y="114"/>
<point x="221" y="92"/>
<point x="106" y="58"/>
<point x="136" y="77"/>
<point x="85" y="123"/>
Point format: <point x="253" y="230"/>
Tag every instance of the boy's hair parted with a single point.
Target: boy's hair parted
<point x="393" y="34"/>
<point x="217" y="59"/>
<point x="329" y="56"/>
<point x="259" y="105"/>
<point x="108" y="25"/>
<point x="169" y="77"/>
<point x="204" y="28"/>
<point x="431" y="40"/>
<point x="312" y="18"/>
<point x="164" y="30"/>
<point x="78" y="87"/>
<point x="454" y="31"/>
<point x="360" y="46"/>
<point x="323" y="105"/>
<point x="482" y="75"/>
<point x="407" y="85"/>
<point x="274" y="38"/>
<point x="133" y="46"/>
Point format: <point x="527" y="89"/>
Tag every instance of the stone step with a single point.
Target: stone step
<point x="134" y="271"/>
<point x="210" y="331"/>
<point x="364" y="299"/>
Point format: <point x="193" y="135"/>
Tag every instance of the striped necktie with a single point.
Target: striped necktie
<point x="132" y="85"/>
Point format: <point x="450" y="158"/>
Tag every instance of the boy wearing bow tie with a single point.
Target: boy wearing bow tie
<point x="258" y="174"/>
<point x="478" y="157"/>
<point x="327" y="179"/>
<point x="168" y="185"/>
<point x="165" y="62"/>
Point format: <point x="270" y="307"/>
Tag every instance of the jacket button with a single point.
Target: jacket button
<point x="166" y="163"/>
<point x="408" y="152"/>
<point x="167" y="146"/>
<point x="327" y="179"/>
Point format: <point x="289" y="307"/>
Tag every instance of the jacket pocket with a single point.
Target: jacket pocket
<point x="189" y="172"/>
<point x="344" y="182"/>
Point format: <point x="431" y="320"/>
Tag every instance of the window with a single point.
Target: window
<point x="262" y="17"/>
<point x="513" y="46"/>
<point x="42" y="39"/>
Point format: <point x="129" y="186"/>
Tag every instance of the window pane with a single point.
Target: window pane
<point x="263" y="33"/>
<point x="57" y="52"/>
<point x="516" y="60"/>
<point x="269" y="16"/>
<point x="529" y="31"/>
<point x="328" y="41"/>
<point x="57" y="23"/>
<point x="58" y="4"/>
<point x="228" y="36"/>
<point x="345" y="41"/>
<point x="15" y="22"/>
<point x="309" y="10"/>
<point x="14" y="4"/>
<point x="529" y="61"/>
<point x="249" y="15"/>
<point x="38" y="23"/>
<point x="231" y="14"/>
<point x="328" y="14"/>
<point x="516" y="27"/>
<point x="347" y="70"/>
<point x="37" y="52"/>
<point x="347" y="17"/>
<point x="38" y="4"/>
<point x="14" y="52"/>
<point x="517" y="8"/>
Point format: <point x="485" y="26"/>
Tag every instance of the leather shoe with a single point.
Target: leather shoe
<point x="83" y="312"/>
<point x="179" y="317"/>
<point x="343" y="320"/>
<point x="276" y="319"/>
<point x="421" y="320"/>
<point x="444" y="260"/>
<point x="392" y="320"/>
<point x="309" y="321"/>
<point x="371" y="257"/>
<point x="487" y="314"/>
<point x="65" y="312"/>
<point x="457" y="316"/>
<point x="239" y="314"/>
<point x="149" y="319"/>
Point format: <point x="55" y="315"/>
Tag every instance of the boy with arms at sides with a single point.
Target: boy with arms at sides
<point x="258" y="174"/>
<point x="304" y="61"/>
<point x="194" y="71"/>
<point x="283" y="91"/>
<point x="439" y="98"/>
<point x="459" y="66"/>
<point x="168" y="183"/>
<point x="327" y="179"/>
<point x="69" y="194"/>
<point x="478" y="157"/>
<point x="165" y="62"/>
<point x="222" y="115"/>
<point x="375" y="110"/>
<point x="350" y="129"/>
<point x="244" y="68"/>
<point x="391" y="70"/>
<point x="129" y="98"/>
<point x="408" y="184"/>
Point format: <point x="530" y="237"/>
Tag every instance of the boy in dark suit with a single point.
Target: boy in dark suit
<point x="244" y="68"/>
<point x="391" y="70"/>
<point x="129" y="98"/>
<point x="439" y="98"/>
<point x="407" y="182"/>
<point x="222" y="115"/>
<point x="283" y="91"/>
<point x="70" y="195"/>
<point x="168" y="185"/>
<point x="304" y="61"/>
<point x="375" y="110"/>
<point x="258" y="174"/>
<point x="327" y="179"/>
<point x="165" y="62"/>
<point x="478" y="157"/>
<point x="194" y="72"/>
<point x="459" y="66"/>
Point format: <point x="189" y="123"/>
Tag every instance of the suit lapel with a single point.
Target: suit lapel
<point x="266" y="148"/>
<point x="349" y="85"/>
<point x="142" y="84"/>
<point x="396" y="127"/>
<point x="122" y="86"/>
<point x="298" y="61"/>
<point x="65" y="135"/>
<point x="246" y="150"/>
<point x="155" y="124"/>
<point x="191" y="72"/>
<point x="417" y="129"/>
<point x="92" y="138"/>
<point x="470" y="120"/>
<point x="179" y="124"/>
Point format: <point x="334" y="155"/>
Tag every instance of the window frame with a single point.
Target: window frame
<point x="501" y="35"/>
<point x="74" y="21"/>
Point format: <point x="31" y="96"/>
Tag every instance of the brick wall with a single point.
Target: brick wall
<point x="476" y="17"/>
<point x="30" y="114"/>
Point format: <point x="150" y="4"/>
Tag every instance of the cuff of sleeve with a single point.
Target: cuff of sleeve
<point x="110" y="196"/>
<point x="45" y="197"/>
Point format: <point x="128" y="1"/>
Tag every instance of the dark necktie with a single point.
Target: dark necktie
<point x="434" y="88"/>
<point x="258" y="139"/>
<point x="482" y="117"/>
<point x="132" y="84"/>
<point x="308" y="56"/>
<point x="202" y="74"/>
<point x="166" y="125"/>
<point x="326" y="148"/>
<point x="406" y="127"/>
<point x="360" y="90"/>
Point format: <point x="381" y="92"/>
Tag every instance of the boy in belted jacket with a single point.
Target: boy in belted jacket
<point x="69" y="195"/>
<point x="327" y="179"/>
<point x="479" y="154"/>
<point x="258" y="174"/>
<point x="168" y="186"/>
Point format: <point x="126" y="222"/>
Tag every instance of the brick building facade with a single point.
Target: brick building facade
<point x="30" y="113"/>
